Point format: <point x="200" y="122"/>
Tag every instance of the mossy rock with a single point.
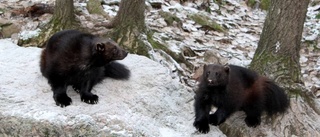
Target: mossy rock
<point x="176" y="56"/>
<point x="206" y="22"/>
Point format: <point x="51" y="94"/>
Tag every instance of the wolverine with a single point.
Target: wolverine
<point x="81" y="60"/>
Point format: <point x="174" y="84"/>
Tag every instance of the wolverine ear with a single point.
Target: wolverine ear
<point x="226" y="69"/>
<point x="100" y="47"/>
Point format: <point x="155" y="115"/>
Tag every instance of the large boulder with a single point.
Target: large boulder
<point x="151" y="103"/>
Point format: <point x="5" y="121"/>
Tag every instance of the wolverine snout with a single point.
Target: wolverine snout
<point x="212" y="82"/>
<point x="121" y="54"/>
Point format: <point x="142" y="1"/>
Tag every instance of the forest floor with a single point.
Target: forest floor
<point x="234" y="44"/>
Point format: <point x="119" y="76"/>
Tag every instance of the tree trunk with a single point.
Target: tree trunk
<point x="277" y="56"/>
<point x="131" y="33"/>
<point x="63" y="18"/>
<point x="129" y="24"/>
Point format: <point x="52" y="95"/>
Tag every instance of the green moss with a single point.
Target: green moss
<point x="155" y="44"/>
<point x="251" y="3"/>
<point x="318" y="16"/>
<point x="169" y="18"/>
<point x="265" y="4"/>
<point x="206" y="22"/>
<point x="219" y="2"/>
<point x="177" y="57"/>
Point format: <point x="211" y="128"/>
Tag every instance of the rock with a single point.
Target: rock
<point x="8" y="30"/>
<point x="212" y="57"/>
<point x="156" y="3"/>
<point x="150" y="103"/>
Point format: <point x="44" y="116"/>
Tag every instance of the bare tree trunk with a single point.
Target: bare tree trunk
<point x="63" y="18"/>
<point x="64" y="15"/>
<point x="277" y="57"/>
<point x="130" y="31"/>
<point x="129" y="24"/>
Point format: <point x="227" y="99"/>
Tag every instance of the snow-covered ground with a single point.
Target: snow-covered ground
<point x="235" y="46"/>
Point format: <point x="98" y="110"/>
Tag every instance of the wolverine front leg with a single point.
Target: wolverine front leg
<point x="59" y="88"/>
<point x="202" y="109"/>
<point x="86" y="95"/>
<point x="219" y="116"/>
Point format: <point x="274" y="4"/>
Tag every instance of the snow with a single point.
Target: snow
<point x="29" y="34"/>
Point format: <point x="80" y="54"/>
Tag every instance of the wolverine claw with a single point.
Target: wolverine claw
<point x="90" y="98"/>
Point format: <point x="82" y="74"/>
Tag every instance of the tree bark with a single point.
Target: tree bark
<point x="63" y="18"/>
<point x="131" y="33"/>
<point x="128" y="24"/>
<point x="277" y="54"/>
<point x="277" y="57"/>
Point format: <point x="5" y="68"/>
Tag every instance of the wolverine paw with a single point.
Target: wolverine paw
<point x="90" y="98"/>
<point x="202" y="126"/>
<point x="62" y="100"/>
<point x="213" y="120"/>
<point x="253" y="121"/>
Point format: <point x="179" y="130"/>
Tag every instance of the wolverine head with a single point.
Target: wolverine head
<point x="215" y="75"/>
<point x="109" y="49"/>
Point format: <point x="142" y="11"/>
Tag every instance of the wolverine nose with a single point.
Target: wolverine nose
<point x="209" y="80"/>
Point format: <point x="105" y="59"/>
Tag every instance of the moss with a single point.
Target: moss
<point x="219" y="2"/>
<point x="206" y="22"/>
<point x="265" y="4"/>
<point x="177" y="57"/>
<point x="141" y="48"/>
<point x="251" y="3"/>
<point x="2" y="11"/>
<point x="318" y="16"/>
<point x="169" y="18"/>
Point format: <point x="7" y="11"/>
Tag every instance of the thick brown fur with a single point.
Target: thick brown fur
<point x="234" y="88"/>
<point x="81" y="60"/>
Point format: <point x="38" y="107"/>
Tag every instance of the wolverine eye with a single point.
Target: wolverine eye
<point x="208" y="73"/>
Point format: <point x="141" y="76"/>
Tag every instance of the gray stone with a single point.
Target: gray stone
<point x="151" y="103"/>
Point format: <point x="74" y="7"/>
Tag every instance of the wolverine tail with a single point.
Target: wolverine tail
<point x="117" y="71"/>
<point x="277" y="100"/>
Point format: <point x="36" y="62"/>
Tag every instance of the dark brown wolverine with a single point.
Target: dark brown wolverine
<point x="81" y="60"/>
<point x="233" y="88"/>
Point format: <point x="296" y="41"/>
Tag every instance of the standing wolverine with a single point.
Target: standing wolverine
<point x="233" y="88"/>
<point x="81" y="60"/>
